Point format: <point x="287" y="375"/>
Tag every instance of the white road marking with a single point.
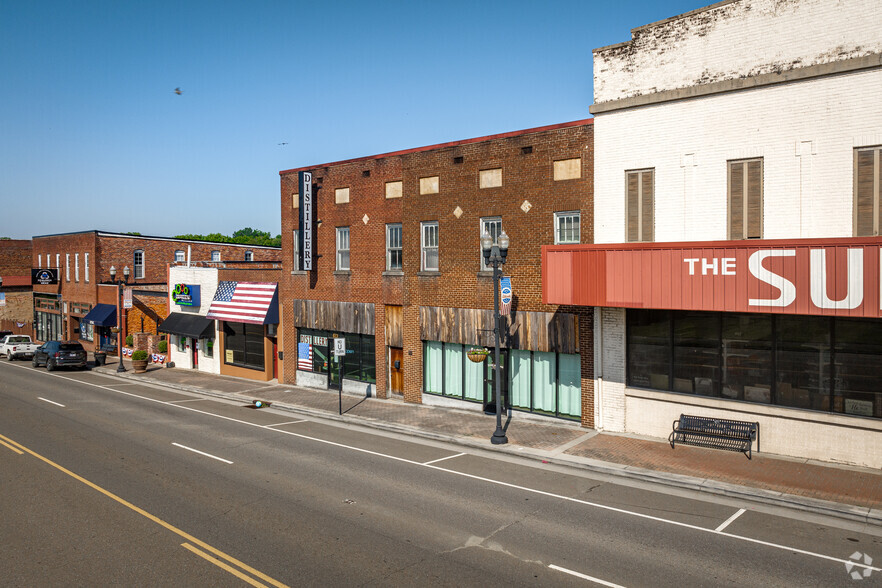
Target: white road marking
<point x="443" y="458"/>
<point x="584" y="577"/>
<point x="730" y="519"/>
<point x="474" y="477"/>
<point x="50" y="401"/>
<point x="188" y="400"/>
<point x="288" y="423"/>
<point x="202" y="453"/>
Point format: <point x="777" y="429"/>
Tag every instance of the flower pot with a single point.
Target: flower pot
<point x="140" y="365"/>
<point x="100" y="357"/>
<point x="477" y="355"/>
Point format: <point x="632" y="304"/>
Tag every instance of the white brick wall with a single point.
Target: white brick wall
<point x="805" y="131"/>
<point x="610" y="355"/>
<point x="207" y="279"/>
<point x="734" y="40"/>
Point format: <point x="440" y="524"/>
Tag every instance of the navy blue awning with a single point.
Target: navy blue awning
<point x="101" y="315"/>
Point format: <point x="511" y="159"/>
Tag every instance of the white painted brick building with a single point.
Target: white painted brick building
<point x="795" y="87"/>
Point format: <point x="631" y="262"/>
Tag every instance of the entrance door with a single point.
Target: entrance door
<point x="334" y="362"/>
<point x="195" y="349"/>
<point x="490" y="380"/>
<point x="396" y="370"/>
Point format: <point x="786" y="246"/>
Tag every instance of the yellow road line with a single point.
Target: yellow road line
<point x="11" y="448"/>
<point x="146" y="514"/>
<point x="223" y="566"/>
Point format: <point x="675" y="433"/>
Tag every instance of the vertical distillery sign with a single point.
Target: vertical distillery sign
<point x="306" y="220"/>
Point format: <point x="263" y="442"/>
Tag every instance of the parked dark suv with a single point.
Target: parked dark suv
<point x="56" y="354"/>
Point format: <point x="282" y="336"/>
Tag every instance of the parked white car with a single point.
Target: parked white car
<point x="17" y="347"/>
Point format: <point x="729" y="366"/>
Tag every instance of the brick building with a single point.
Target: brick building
<point x="399" y="273"/>
<point x="16" y="293"/>
<point x="82" y="303"/>
<point x="243" y="346"/>
<point x="737" y="266"/>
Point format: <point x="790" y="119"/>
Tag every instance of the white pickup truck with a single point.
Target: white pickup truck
<point x="17" y="347"/>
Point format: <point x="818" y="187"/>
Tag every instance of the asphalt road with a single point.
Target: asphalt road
<point x="107" y="481"/>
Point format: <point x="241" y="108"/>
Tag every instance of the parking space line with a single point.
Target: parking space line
<point x="585" y="577"/>
<point x="730" y="519"/>
<point x="50" y="401"/>
<point x="288" y="423"/>
<point x="202" y="453"/>
<point x="443" y="458"/>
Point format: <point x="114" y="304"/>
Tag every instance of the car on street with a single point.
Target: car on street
<point x="17" y="347"/>
<point x="56" y="354"/>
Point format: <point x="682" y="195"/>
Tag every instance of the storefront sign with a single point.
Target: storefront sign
<point x="228" y="356"/>
<point x="44" y="277"/>
<point x="186" y="295"/>
<point x="306" y="220"/>
<point x="838" y="277"/>
<point x="314" y="340"/>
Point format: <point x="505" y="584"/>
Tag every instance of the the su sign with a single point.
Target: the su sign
<point x="822" y="277"/>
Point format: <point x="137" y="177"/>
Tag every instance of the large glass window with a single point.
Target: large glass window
<point x="567" y="227"/>
<point x="359" y="363"/>
<point x="809" y="362"/>
<point x="243" y="345"/>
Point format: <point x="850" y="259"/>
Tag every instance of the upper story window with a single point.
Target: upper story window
<point x="76" y="267"/>
<point x="39" y="260"/>
<point x="249" y="256"/>
<point x="296" y="250"/>
<point x="429" y="246"/>
<point x="215" y="256"/>
<point x="867" y="187"/>
<point x="490" y="178"/>
<point x="138" y="263"/>
<point x="86" y="265"/>
<point x="57" y="260"/>
<point x="393" y="247"/>
<point x="394" y="189"/>
<point x="746" y="199"/>
<point x="179" y="256"/>
<point x="568" y="169"/>
<point x="493" y="226"/>
<point x="67" y="266"/>
<point x="567" y="227"/>
<point x="342" y="248"/>
<point x="640" y="204"/>
<point x="430" y="185"/>
<point x="341" y="195"/>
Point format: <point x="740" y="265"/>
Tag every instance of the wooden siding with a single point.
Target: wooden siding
<point x="393" y="322"/>
<point x="536" y="331"/>
<point x="347" y="317"/>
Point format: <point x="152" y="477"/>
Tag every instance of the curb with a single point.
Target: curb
<point x="828" y="508"/>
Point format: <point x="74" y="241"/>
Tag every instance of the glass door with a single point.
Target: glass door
<point x="490" y="382"/>
<point x="334" y="382"/>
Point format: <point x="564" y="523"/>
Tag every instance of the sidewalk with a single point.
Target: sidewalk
<point x="846" y="492"/>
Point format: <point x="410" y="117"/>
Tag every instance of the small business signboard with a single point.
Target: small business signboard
<point x="44" y="277"/>
<point x="127" y="298"/>
<point x="186" y="295"/>
<point x="307" y="210"/>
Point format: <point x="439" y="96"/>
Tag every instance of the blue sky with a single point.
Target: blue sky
<point x="93" y="136"/>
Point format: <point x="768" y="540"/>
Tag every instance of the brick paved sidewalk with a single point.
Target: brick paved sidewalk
<point x="561" y="441"/>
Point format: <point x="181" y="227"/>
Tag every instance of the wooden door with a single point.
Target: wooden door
<point x="396" y="370"/>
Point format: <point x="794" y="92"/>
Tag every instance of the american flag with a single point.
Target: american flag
<point x="242" y="302"/>
<point x="304" y="356"/>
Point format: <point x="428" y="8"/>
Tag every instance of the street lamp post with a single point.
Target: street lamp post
<point x="495" y="255"/>
<point x="119" y="284"/>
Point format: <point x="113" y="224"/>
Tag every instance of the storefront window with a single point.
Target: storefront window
<point x="359" y="363"/>
<point x="208" y="347"/>
<point x="87" y="330"/>
<point x="809" y="362"/>
<point x="243" y="345"/>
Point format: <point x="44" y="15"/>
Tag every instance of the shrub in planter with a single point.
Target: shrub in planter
<point x="139" y="355"/>
<point x="139" y="361"/>
<point x="129" y="340"/>
<point x="162" y="346"/>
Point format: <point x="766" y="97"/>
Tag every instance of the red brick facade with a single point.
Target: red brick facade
<point x="15" y="270"/>
<point x="527" y="200"/>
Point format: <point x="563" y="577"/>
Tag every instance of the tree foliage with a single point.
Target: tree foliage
<point x="246" y="236"/>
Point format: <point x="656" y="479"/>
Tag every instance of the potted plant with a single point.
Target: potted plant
<point x="139" y="361"/>
<point x="129" y="340"/>
<point x="478" y="354"/>
<point x="162" y="346"/>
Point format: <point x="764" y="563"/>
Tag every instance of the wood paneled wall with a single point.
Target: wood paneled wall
<point x="394" y="333"/>
<point x="348" y="317"/>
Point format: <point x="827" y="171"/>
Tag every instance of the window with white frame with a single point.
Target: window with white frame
<point x="179" y="255"/>
<point x="138" y="263"/>
<point x="492" y="225"/>
<point x="215" y="255"/>
<point x="249" y="256"/>
<point x="57" y="260"/>
<point x="567" y="227"/>
<point x="296" y="249"/>
<point x="39" y="260"/>
<point x="342" y="248"/>
<point x="86" y="265"/>
<point x="429" y="246"/>
<point x="393" y="247"/>
<point x="76" y="267"/>
<point x="67" y="266"/>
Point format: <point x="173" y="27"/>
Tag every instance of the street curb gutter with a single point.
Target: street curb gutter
<point x="865" y="515"/>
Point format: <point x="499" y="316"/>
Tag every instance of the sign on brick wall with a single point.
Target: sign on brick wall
<point x="306" y="220"/>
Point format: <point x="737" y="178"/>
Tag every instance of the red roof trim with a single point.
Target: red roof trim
<point x="575" y="123"/>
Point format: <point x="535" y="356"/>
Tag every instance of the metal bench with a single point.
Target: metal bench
<point x="715" y="433"/>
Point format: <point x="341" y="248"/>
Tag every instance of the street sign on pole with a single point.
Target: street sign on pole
<point x="339" y="347"/>
<point x="127" y="298"/>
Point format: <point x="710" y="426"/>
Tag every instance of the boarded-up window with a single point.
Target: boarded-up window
<point x="393" y="189"/>
<point x="867" y="182"/>
<point x="430" y="185"/>
<point x="490" y="178"/>
<point x="746" y="199"/>
<point x="640" y="204"/>
<point x="568" y="169"/>
<point x="341" y="195"/>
